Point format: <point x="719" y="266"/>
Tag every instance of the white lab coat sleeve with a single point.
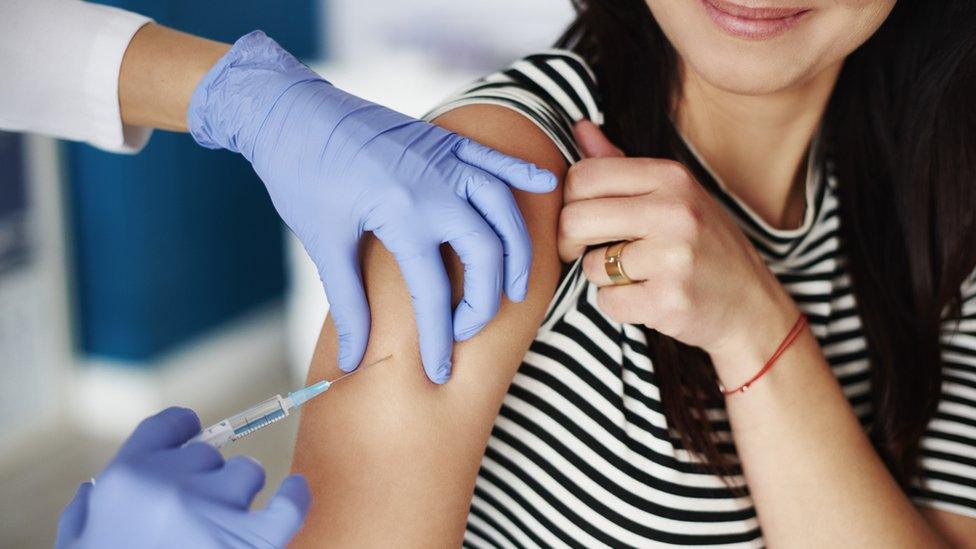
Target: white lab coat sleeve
<point x="59" y="71"/>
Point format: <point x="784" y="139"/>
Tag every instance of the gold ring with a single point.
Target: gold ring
<point x="613" y="265"/>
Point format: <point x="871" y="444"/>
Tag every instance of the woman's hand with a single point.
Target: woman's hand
<point x="696" y="277"/>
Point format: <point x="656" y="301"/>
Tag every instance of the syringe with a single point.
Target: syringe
<point x="265" y="413"/>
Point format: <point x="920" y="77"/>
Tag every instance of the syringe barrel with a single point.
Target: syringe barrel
<point x="257" y="416"/>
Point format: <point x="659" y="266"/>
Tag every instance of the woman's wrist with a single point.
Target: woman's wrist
<point x="753" y="339"/>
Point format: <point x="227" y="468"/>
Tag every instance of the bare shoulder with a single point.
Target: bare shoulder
<point x="392" y="458"/>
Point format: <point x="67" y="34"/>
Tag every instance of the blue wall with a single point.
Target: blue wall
<point x="178" y="239"/>
<point x="14" y="245"/>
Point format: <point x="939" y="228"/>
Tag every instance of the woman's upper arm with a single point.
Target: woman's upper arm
<point x="391" y="457"/>
<point x="958" y="531"/>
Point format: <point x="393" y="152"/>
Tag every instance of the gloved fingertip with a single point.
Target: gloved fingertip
<point x="81" y="496"/>
<point x="518" y="288"/>
<point x="348" y="361"/>
<point x="184" y="419"/>
<point x="351" y="353"/>
<point x="168" y="428"/>
<point x="516" y="295"/>
<point x="285" y="512"/>
<point x="347" y="364"/>
<point x="202" y="456"/>
<point x="469" y="320"/>
<point x="534" y="180"/>
<point x="294" y="489"/>
<point x="349" y="311"/>
<point x="442" y="373"/>
<point x="543" y="180"/>
<point x="464" y="333"/>
<point x="72" y="520"/>
<point x="179" y="414"/>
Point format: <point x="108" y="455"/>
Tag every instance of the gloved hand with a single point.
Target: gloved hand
<point x="337" y="165"/>
<point x="158" y="493"/>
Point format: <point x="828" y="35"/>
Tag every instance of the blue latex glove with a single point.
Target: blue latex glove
<point x="158" y="493"/>
<point x="337" y="165"/>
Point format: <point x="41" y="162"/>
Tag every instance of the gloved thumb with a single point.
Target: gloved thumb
<point x="347" y="304"/>
<point x="72" y="521"/>
<point x="592" y="142"/>
<point x="282" y="518"/>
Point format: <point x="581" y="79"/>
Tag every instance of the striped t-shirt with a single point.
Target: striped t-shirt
<point x="581" y="453"/>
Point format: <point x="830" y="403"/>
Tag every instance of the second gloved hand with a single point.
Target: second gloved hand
<point x="158" y="493"/>
<point x="337" y="165"/>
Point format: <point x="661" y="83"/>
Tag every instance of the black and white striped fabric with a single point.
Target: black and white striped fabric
<point x="581" y="455"/>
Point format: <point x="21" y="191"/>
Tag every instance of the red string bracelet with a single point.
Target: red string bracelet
<point x="795" y="332"/>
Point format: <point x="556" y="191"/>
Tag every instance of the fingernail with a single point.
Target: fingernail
<point x="443" y="373"/>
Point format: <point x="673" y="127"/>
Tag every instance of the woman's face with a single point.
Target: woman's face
<point x="764" y="46"/>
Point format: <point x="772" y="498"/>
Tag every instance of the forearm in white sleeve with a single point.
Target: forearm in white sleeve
<point x="59" y="71"/>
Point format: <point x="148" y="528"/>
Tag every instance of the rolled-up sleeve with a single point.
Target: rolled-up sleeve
<point x="60" y="62"/>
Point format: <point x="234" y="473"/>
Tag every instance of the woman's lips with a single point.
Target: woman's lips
<point x="752" y="23"/>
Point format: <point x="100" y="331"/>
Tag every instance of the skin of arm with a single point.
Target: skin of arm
<point x="798" y="415"/>
<point x="957" y="530"/>
<point x="835" y="487"/>
<point x="160" y="70"/>
<point x="392" y="458"/>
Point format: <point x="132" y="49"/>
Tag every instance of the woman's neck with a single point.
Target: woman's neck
<point x="757" y="145"/>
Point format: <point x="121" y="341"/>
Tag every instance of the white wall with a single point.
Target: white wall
<point x="461" y="33"/>
<point x="35" y="350"/>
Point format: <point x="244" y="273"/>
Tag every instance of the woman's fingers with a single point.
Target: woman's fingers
<point x="607" y="177"/>
<point x="592" y="142"/>
<point x="633" y="261"/>
<point x="645" y="259"/>
<point x="590" y="222"/>
<point x="606" y="220"/>
<point x="645" y="302"/>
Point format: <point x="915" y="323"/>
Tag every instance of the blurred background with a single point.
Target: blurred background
<point x="131" y="283"/>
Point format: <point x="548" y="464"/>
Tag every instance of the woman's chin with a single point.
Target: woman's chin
<point x="743" y="76"/>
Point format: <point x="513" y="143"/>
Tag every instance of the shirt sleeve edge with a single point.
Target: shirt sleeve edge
<point x="101" y="86"/>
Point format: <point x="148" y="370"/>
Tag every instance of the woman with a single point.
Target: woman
<point x="786" y="159"/>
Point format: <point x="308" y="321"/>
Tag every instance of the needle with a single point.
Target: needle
<point x="344" y="376"/>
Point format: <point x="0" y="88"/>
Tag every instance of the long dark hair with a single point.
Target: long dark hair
<point x="901" y="131"/>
